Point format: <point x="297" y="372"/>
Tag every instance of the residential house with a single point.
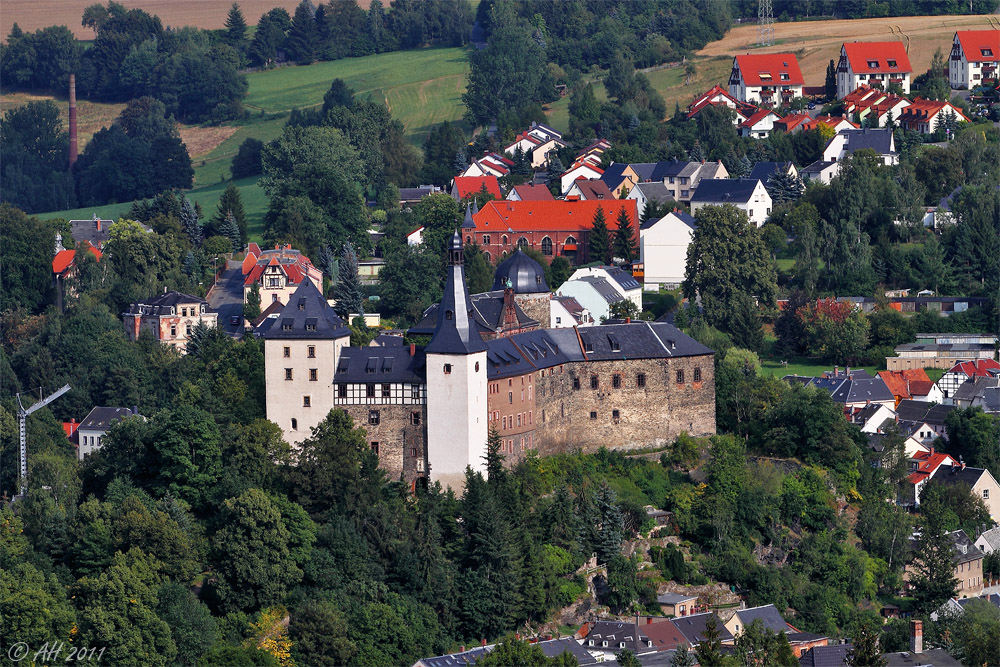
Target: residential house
<point x="552" y="648"/>
<point x="899" y="382"/>
<point x="760" y="124"/>
<point x="964" y="371"/>
<point x="852" y="389"/>
<point x="620" y="279"/>
<point x="834" y="655"/>
<point x="971" y="392"/>
<point x="536" y="143"/>
<point x="620" y="175"/>
<point x="70" y="428"/>
<point x="846" y="142"/>
<point x="989" y="401"/>
<point x="595" y="294"/>
<point x="530" y="192"/>
<point x="763" y="171"/>
<point x="416" y="237"/>
<point x="584" y="190"/>
<point x="665" y="635"/>
<point x="411" y="196"/>
<point x="748" y="195"/>
<point x="803" y="643"/>
<point x="979" y="481"/>
<point x="874" y="106"/>
<point x="821" y="171"/>
<point x="550" y="227"/>
<point x="579" y="169"/>
<point x="989" y="541"/>
<point x="663" y="247"/>
<point x="929" y="116"/>
<point x="836" y="123"/>
<point x="644" y="193"/>
<point x="943" y="351"/>
<point x="95" y="231"/>
<point x="917" y="656"/>
<point x="91" y="431"/>
<point x="871" y="418"/>
<point x="767" y="79"/>
<point x="465" y="186"/>
<point x="768" y="616"/>
<point x="676" y="604"/>
<point x="594" y="153"/>
<point x="924" y="465"/>
<point x="169" y="317"/>
<point x="277" y="273"/>
<point x="876" y="64"/>
<point x="717" y="96"/>
<point x="919" y="412"/>
<point x="975" y="55"/>
<point x="603" y="639"/>
<point x="693" y="628"/>
<point x="64" y="266"/>
<point x="968" y="561"/>
<point x="490" y="164"/>
<point x="565" y="312"/>
<point x="792" y="122"/>
<point x="682" y="178"/>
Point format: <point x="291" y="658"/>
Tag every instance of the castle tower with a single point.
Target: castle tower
<point x="456" y="383"/>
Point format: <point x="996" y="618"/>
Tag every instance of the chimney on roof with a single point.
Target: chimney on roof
<point x="482" y="642"/>
<point x="916" y="636"/>
<point x="461" y="649"/>
<point x="413" y="349"/>
<point x="135" y="409"/>
<point x="932" y="450"/>
<point x="963" y="463"/>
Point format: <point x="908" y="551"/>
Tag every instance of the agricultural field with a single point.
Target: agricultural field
<point x="90" y="116"/>
<point x="816" y="42"/>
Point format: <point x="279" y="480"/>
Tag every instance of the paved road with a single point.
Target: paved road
<point x="227" y="298"/>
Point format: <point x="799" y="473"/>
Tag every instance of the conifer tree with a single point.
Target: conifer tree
<point x="236" y="29"/>
<point x="865" y="650"/>
<point x="933" y="569"/>
<point x="251" y="309"/>
<point x="683" y="657"/>
<point x="232" y="202"/>
<point x="303" y="38"/>
<point x="709" y="651"/>
<point x="784" y="186"/>
<point x="831" y="80"/>
<point x="459" y="164"/>
<point x="231" y="231"/>
<point x="600" y="239"/>
<point x="190" y="265"/>
<point x="348" y="290"/>
<point x="611" y="530"/>
<point x="624" y="244"/>
<point x="556" y="168"/>
<point x="190" y="223"/>
<point x="696" y="154"/>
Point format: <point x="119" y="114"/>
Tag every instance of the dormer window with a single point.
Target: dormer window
<point x="448" y="315"/>
<point x="765" y="76"/>
<point x="892" y="63"/>
<point x="986" y="53"/>
<point x="784" y="76"/>
<point x="302" y="304"/>
<point x="872" y="64"/>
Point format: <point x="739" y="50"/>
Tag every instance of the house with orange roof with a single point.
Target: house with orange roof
<point x="876" y="64"/>
<point x="530" y="192"/>
<point x="929" y="116"/>
<point x="760" y="124"/>
<point x="793" y="122"/>
<point x="766" y="79"/>
<point x="720" y="97"/>
<point x="923" y="467"/>
<point x="464" y="186"/>
<point x="837" y="123"/>
<point x="64" y="265"/>
<point x="875" y="105"/>
<point x="490" y="164"/>
<point x="899" y="383"/>
<point x="584" y="169"/>
<point x="975" y="55"/>
<point x="277" y="272"/>
<point x="550" y="227"/>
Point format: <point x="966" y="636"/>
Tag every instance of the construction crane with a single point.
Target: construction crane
<point x="22" y="419"/>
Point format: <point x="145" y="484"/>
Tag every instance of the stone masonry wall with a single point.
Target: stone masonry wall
<point x="402" y="445"/>
<point x="568" y="419"/>
<point x="536" y="306"/>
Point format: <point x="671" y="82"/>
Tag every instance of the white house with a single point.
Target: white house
<point x="974" y="56"/>
<point x="579" y="169"/>
<point x="594" y="294"/>
<point x="822" y="171"/>
<point x="621" y="280"/>
<point x="643" y="193"/>
<point x="416" y="237"/>
<point x="566" y="312"/>
<point x="759" y="125"/>
<point x="536" y="142"/>
<point x="845" y="142"/>
<point x="877" y="64"/>
<point x="746" y="194"/>
<point x="95" y="426"/>
<point x="928" y="116"/>
<point x="767" y="79"/>
<point x="989" y="541"/>
<point x="663" y="247"/>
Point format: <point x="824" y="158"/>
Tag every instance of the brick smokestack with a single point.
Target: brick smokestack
<point x="72" y="120"/>
<point x="916" y="636"/>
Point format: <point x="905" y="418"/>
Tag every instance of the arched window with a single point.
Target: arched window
<point x="503" y="239"/>
<point x="489" y="257"/>
<point x="486" y="239"/>
<point x="546" y="246"/>
<point x="569" y="240"/>
<point x="468" y="240"/>
<point x="522" y="242"/>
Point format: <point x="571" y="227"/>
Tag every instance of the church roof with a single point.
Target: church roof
<point x="307" y="315"/>
<point x="526" y="275"/>
<point x="456" y="332"/>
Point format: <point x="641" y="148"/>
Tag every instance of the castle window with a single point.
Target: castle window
<point x="447" y="369"/>
<point x="468" y="240"/>
<point x="522" y="242"/>
<point x="576" y="383"/>
<point x="386" y="391"/>
<point x="486" y="239"/>
<point x="288" y="373"/>
<point x="374" y="417"/>
<point x="503" y="239"/>
<point x="341" y="390"/>
<point x="369" y="390"/>
<point x="415" y="420"/>
<point x="288" y="352"/>
<point x="374" y="447"/>
<point x="593" y="382"/>
<point x="697" y="374"/>
<point x="415" y="391"/>
<point x="616" y="381"/>
<point x="640" y="380"/>
<point x="313" y="374"/>
<point x="616" y="416"/>
<point x="510" y="397"/>
<point x="680" y="376"/>
<point x="295" y="424"/>
<point x="570" y="240"/>
<point x="306" y="402"/>
<point x="312" y="352"/>
<point x="593" y="414"/>
<point x="546" y="246"/>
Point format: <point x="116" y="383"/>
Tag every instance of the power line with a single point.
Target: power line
<point x="765" y="23"/>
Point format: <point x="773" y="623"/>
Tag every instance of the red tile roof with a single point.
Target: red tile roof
<point x="69" y="428"/>
<point x="758" y="116"/>
<point x="921" y="387"/>
<point x="927" y="465"/>
<point x="829" y="121"/>
<point x="859" y="54"/>
<point x="711" y="97"/>
<point x="793" y="120"/>
<point x="921" y="109"/>
<point x="64" y="258"/>
<point x="899" y="382"/>
<point x="533" y="193"/>
<point x="975" y="41"/>
<point x="527" y="216"/>
<point x="755" y="69"/>
<point x="978" y="368"/>
<point x="467" y="185"/>
<point x="584" y="163"/>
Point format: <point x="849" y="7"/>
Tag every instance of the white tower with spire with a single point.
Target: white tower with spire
<point x="457" y="429"/>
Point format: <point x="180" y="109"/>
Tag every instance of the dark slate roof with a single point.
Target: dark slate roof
<point x="935" y="657"/>
<point x="100" y="419"/>
<point x="162" y="303"/>
<point x="767" y="614"/>
<point x="816" y="167"/>
<point x="388" y="340"/>
<point x="693" y="627"/>
<point x="644" y="170"/>
<point x="965" y="548"/>
<point x="825" y="656"/>
<point x="487" y="313"/>
<point x="456" y="332"/>
<point x="971" y="389"/>
<point x="307" y="316"/>
<point x="803" y="637"/>
<point x="624" y="278"/>
<point x="953" y="475"/>
<point x="724" y="190"/>
<point x="639" y="340"/>
<point x="992" y="598"/>
<point x="991" y="399"/>
<point x="864" y="414"/>
<point x="603" y="287"/>
<point x="531" y="350"/>
<point x="878" y="139"/>
<point x="762" y="170"/>
<point x="525" y="274"/>
<point x="415" y="194"/>
<point x="657" y="659"/>
<point x="655" y="191"/>
<point x="856" y="390"/>
<point x="671" y="168"/>
<point x="556" y="647"/>
<point x="457" y="659"/>
<point x="921" y="411"/>
<point x="616" y="633"/>
<point x="380" y="364"/>
<point x="681" y="215"/>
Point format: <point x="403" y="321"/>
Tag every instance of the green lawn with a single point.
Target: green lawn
<point x="803" y="366"/>
<point x="213" y="167"/>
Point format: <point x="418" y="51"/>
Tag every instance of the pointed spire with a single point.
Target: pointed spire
<point x="469" y="222"/>
<point x="475" y="207"/>
<point x="456" y="331"/>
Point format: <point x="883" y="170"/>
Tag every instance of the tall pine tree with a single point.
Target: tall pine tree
<point x="190" y="223"/>
<point x="600" y="238"/>
<point x="348" y="290"/>
<point x="232" y="202"/>
<point x="231" y="231"/>
<point x="625" y="245"/>
<point x="236" y="29"/>
<point x="303" y="38"/>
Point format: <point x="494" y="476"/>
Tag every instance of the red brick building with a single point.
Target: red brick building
<point x="550" y="227"/>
